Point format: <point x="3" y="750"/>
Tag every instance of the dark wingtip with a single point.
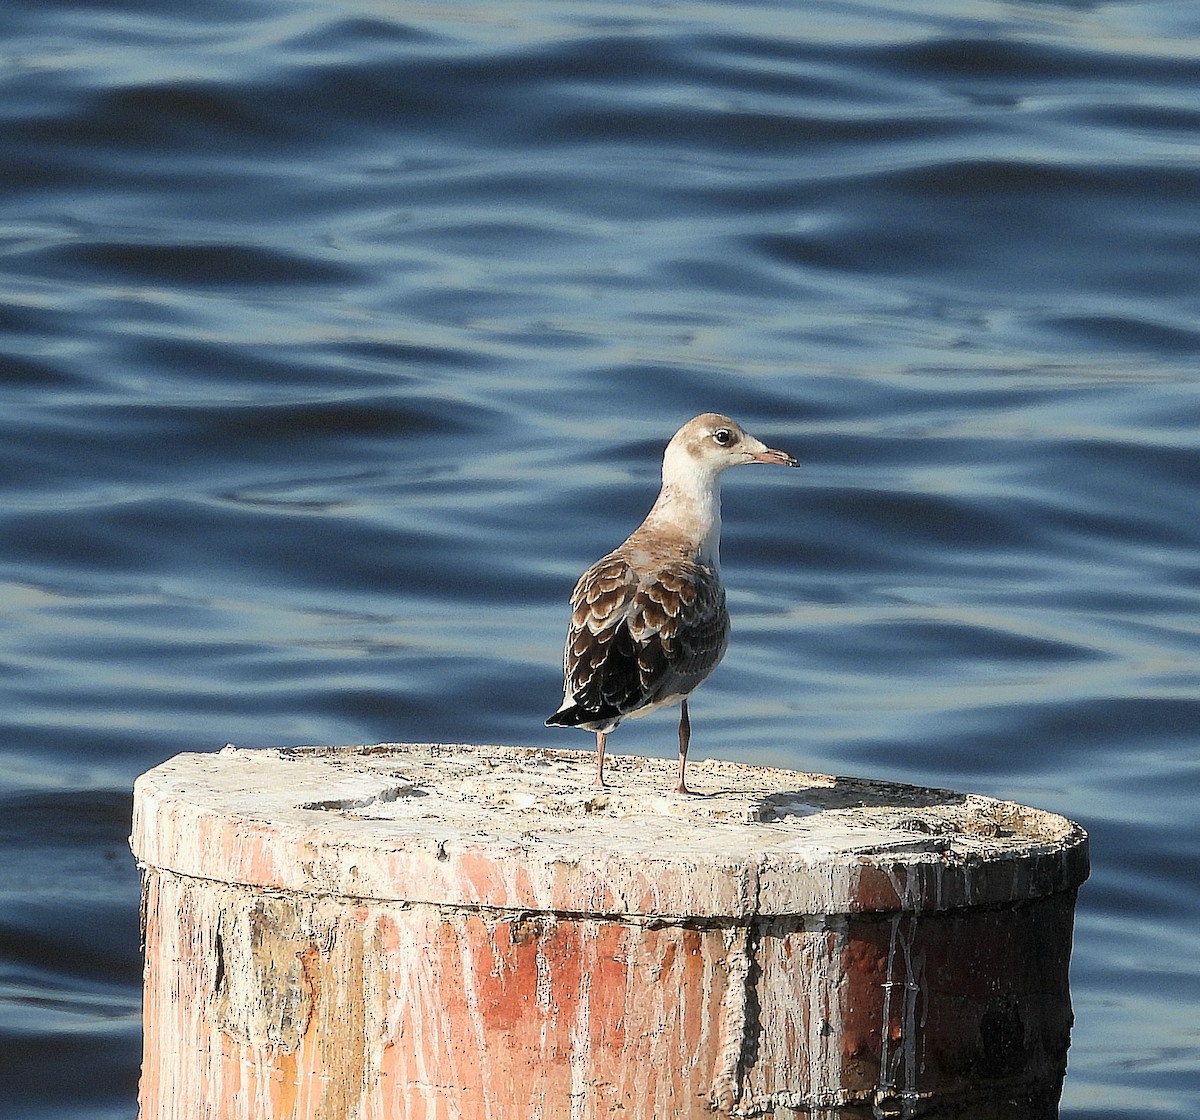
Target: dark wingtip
<point x="575" y="715"/>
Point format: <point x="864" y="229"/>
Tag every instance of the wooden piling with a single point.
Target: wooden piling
<point x="450" y="932"/>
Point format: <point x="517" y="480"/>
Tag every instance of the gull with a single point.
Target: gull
<point x="648" y="621"/>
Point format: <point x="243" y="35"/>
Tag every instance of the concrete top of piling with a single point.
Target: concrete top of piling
<point x="515" y="828"/>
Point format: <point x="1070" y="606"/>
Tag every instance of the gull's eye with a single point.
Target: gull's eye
<point x="723" y="436"/>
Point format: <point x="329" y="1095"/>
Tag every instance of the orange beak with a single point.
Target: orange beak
<point x="771" y="455"/>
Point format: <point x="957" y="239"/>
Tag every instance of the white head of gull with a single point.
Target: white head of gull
<point x="648" y="621"/>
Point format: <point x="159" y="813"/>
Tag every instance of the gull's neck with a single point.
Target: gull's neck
<point x="688" y="508"/>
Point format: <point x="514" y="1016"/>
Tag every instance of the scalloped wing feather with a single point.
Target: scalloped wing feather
<point x="638" y="639"/>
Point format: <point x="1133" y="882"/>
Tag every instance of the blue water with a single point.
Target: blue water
<point x="336" y="338"/>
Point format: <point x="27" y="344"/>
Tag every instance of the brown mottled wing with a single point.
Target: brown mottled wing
<point x="636" y="639"/>
<point x="599" y="661"/>
<point x="681" y="628"/>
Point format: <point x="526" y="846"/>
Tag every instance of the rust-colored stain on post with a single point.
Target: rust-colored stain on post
<point x="427" y="932"/>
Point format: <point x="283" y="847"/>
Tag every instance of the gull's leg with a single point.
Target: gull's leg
<point x="685" y="735"/>
<point x="601" y="740"/>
